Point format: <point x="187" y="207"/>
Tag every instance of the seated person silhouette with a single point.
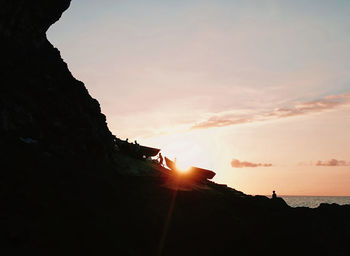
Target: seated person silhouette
<point x="274" y="196"/>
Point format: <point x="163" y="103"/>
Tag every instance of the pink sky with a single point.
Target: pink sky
<point x="259" y="92"/>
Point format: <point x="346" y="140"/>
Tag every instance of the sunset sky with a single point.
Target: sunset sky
<point x="258" y="91"/>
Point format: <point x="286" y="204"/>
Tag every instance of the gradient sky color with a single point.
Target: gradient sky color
<point x="258" y="91"/>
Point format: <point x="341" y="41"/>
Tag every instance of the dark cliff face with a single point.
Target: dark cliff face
<point x="41" y="104"/>
<point x="30" y="18"/>
<point x="49" y="125"/>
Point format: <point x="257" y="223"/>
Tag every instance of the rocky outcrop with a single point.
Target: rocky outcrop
<point x="41" y="102"/>
<point x="60" y="189"/>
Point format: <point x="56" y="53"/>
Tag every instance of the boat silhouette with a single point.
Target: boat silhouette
<point x="192" y="173"/>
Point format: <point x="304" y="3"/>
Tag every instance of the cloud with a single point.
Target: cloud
<point x="298" y="109"/>
<point x="333" y="162"/>
<point x="238" y="164"/>
<point x="219" y="122"/>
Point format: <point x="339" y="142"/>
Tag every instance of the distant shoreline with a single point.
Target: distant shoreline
<point x="315" y="201"/>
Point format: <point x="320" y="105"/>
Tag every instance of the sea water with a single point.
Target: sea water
<point x="315" y="201"/>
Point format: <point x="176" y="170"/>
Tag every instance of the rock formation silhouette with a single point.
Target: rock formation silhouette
<point x="40" y="99"/>
<point x="64" y="186"/>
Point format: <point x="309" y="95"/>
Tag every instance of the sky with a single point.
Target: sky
<point x="258" y="91"/>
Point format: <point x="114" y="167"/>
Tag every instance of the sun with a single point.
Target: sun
<point x="182" y="166"/>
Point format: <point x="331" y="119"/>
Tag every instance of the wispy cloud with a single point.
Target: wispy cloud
<point x="298" y="109"/>
<point x="333" y="162"/>
<point x="238" y="164"/>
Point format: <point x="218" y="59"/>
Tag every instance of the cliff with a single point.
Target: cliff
<point x="41" y="103"/>
<point x="64" y="186"/>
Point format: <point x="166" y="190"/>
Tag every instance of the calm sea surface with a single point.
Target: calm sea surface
<point x="315" y="201"/>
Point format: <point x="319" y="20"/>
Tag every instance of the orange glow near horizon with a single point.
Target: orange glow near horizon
<point x="186" y="149"/>
<point x="214" y="149"/>
<point x="182" y="166"/>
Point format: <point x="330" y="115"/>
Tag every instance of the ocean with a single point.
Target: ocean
<point x="315" y="201"/>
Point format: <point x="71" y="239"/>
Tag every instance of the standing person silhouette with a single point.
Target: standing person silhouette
<point x="160" y="157"/>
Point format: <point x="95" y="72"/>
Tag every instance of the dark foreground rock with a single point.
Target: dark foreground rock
<point x="63" y="185"/>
